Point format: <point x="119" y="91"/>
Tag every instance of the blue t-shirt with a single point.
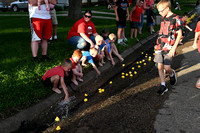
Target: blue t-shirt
<point x="101" y="46"/>
<point x="108" y="44"/>
<point x="88" y="56"/>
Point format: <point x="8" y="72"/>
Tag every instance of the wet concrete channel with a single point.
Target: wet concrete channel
<point x="79" y="116"/>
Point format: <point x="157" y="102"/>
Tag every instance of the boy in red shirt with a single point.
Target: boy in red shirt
<point x="55" y="77"/>
<point x="168" y="39"/>
<point x="76" y="69"/>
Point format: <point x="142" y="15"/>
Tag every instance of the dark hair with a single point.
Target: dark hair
<point x="88" y="11"/>
<point x="67" y="62"/>
<point x="185" y="14"/>
<point x="104" y="31"/>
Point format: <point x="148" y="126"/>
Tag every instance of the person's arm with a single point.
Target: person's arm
<point x="195" y="39"/>
<point x="172" y="51"/>
<point x="95" y="34"/>
<point x="96" y="69"/>
<point x="87" y="39"/>
<point x="117" y="18"/>
<point x="63" y="85"/>
<point x="127" y="11"/>
<point x="188" y="27"/>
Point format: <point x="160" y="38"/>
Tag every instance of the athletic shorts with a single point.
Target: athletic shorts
<point x="134" y="24"/>
<point x="47" y="82"/>
<point x="162" y="58"/>
<point x="53" y="17"/>
<point x="41" y="29"/>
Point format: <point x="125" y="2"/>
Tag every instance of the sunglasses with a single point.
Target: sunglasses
<point x="88" y="16"/>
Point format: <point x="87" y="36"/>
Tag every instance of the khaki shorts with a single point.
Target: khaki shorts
<point x="53" y="17"/>
<point x="163" y="58"/>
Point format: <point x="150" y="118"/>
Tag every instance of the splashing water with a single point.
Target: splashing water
<point x="63" y="106"/>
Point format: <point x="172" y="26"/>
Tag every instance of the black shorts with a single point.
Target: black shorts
<point x="134" y="24"/>
<point x="47" y="82"/>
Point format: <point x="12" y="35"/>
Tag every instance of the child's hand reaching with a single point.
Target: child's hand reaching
<point x="194" y="45"/>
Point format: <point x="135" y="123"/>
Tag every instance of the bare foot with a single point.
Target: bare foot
<point x="83" y="64"/>
<point x="79" y="79"/>
<point x="75" y="82"/>
<point x="100" y="64"/>
<point x="108" y="58"/>
<point x="56" y="90"/>
<point x="121" y="59"/>
<point x="103" y="62"/>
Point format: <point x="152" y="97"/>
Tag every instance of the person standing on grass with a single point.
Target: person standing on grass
<point x="168" y="39"/>
<point x="83" y="32"/>
<point x="54" y="24"/>
<point x="41" y="28"/>
<point x="54" y="77"/>
<point x="135" y="18"/>
<point x="122" y="14"/>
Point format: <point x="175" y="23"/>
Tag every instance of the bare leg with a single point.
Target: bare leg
<point x="161" y="72"/>
<point x="116" y="53"/>
<point x="44" y="46"/>
<point x="55" y="80"/>
<point x="34" y="48"/>
<point x="132" y="31"/>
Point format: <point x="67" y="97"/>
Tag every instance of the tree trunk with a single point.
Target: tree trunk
<point x="75" y="7"/>
<point x="89" y="3"/>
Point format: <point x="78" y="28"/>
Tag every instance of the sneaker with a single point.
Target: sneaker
<point x="173" y="79"/>
<point x="55" y="37"/>
<point x="46" y="58"/>
<point x="35" y="59"/>
<point x="162" y="90"/>
<point x="125" y="39"/>
<point x="123" y="44"/>
<point x="51" y="38"/>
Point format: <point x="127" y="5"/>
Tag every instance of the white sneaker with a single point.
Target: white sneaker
<point x="125" y="39"/>
<point x="51" y="38"/>
<point x="55" y="37"/>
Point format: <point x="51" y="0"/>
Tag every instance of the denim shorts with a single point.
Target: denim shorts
<point x="134" y="24"/>
<point x="78" y="41"/>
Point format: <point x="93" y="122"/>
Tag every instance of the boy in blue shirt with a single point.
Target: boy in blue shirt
<point x="87" y="56"/>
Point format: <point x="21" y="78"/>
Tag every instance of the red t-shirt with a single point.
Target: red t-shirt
<point x="197" y="30"/>
<point x="58" y="70"/>
<point x="74" y="64"/>
<point x="81" y="27"/>
<point x="136" y="14"/>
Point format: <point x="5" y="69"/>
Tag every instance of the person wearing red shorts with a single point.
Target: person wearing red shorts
<point x="41" y="27"/>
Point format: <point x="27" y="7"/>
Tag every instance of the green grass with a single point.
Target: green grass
<point x="20" y="84"/>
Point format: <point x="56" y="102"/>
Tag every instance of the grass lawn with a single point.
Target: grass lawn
<point x="20" y="84"/>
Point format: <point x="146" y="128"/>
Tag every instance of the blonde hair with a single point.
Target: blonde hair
<point x="112" y="36"/>
<point x="77" y="53"/>
<point x="165" y="3"/>
<point x="98" y="38"/>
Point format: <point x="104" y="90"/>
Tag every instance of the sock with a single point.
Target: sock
<point x="163" y="83"/>
<point x="120" y="40"/>
<point x="172" y="74"/>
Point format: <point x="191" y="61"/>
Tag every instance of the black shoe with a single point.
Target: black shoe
<point x="173" y="79"/>
<point x="46" y="58"/>
<point x="35" y="59"/>
<point x="162" y="90"/>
